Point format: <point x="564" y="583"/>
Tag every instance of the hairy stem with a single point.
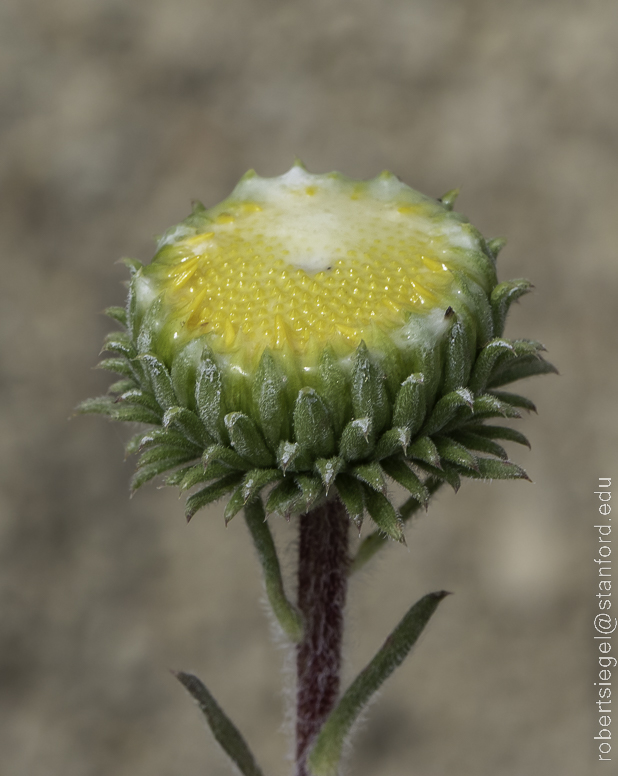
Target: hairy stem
<point x="322" y="579"/>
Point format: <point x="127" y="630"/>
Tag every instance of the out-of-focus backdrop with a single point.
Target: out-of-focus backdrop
<point x="114" y="115"/>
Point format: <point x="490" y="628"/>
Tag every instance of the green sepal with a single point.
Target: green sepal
<point x="289" y="455"/>
<point x="284" y="497"/>
<point x="160" y="380"/>
<point x="312" y="425"/>
<point x="122" y="386"/>
<point x="270" y="400"/>
<point x="369" y="396"/>
<point x="148" y="472"/>
<point x="351" y="494"/>
<point x="167" y="436"/>
<point x="356" y="440"/>
<point x="456" y="453"/>
<point x="328" y="469"/>
<point x="133" y="265"/>
<point x="446" y="408"/>
<point x="503" y="296"/>
<point x="410" y="404"/>
<point x="118" y="314"/>
<point x="458" y="361"/>
<point x="475" y="442"/>
<point x="135" y="413"/>
<point x="98" y="405"/>
<point x="383" y="514"/>
<point x="392" y="441"/>
<point x="188" y="424"/>
<point x="491" y="469"/>
<point x="500" y="432"/>
<point x="519" y="368"/>
<point x="246" y="440"/>
<point x="120" y="343"/>
<point x="223" y="729"/>
<point x="371" y="474"/>
<point x="133" y="445"/>
<point x="177" y="477"/>
<point x="401" y="473"/>
<point x="226" y="456"/>
<point x="149" y="327"/>
<point x="211" y="493"/>
<point x="311" y="489"/>
<point x="164" y="452"/>
<point x="196" y="475"/>
<point x="287" y="615"/>
<point x="135" y="396"/>
<point x="485" y="362"/>
<point x="235" y="503"/>
<point x="209" y="397"/>
<point x="424" y="449"/>
<point x="334" y="389"/>
<point x="489" y="406"/>
<point x="483" y="319"/>
<point x="326" y="753"/>
<point x="118" y="365"/>
<point x="495" y="245"/>
<point x="448" y="199"/>
<point x="515" y="400"/>
<point x="447" y="473"/>
<point x="256" y="479"/>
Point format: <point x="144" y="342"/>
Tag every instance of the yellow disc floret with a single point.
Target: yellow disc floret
<point x="296" y="262"/>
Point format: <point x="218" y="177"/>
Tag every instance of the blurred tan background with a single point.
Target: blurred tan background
<point x="114" y="115"/>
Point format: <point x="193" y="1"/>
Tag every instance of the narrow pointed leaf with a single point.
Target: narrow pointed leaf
<point x="485" y="362"/>
<point x="289" y="456"/>
<point x="195" y="475"/>
<point x="284" y="497"/>
<point x="287" y="615"/>
<point x="482" y="444"/>
<point x="455" y="453"/>
<point x="458" y="358"/>
<point x="100" y="405"/>
<point x="122" y="386"/>
<point x="211" y="493"/>
<point x="118" y="314"/>
<point x="489" y="406"/>
<point x="500" y="432"/>
<point x="209" y="398"/>
<point x="118" y="365"/>
<point x="226" y="456"/>
<point x="119" y="342"/>
<point x="270" y="399"/>
<point x="235" y="503"/>
<point x="495" y="245"/>
<point x="445" y="410"/>
<point x="311" y="490"/>
<point x="371" y="474"/>
<point x="351" y="494"/>
<point x="448" y="199"/>
<point x="491" y="469"/>
<point x="188" y="423"/>
<point x="142" y="398"/>
<point x="134" y="413"/>
<point x="515" y="400"/>
<point x="146" y="473"/>
<point x="383" y="514"/>
<point x="395" y="440"/>
<point x="369" y="397"/>
<point x="326" y="753"/>
<point x="424" y="449"/>
<point x="519" y="368"/>
<point x="328" y="469"/>
<point x="223" y="729"/>
<point x="447" y="473"/>
<point x="247" y="440"/>
<point x="312" y="425"/>
<point x="402" y="474"/>
<point x="257" y="479"/>
<point x="410" y="404"/>
<point x="503" y="296"/>
<point x="356" y="440"/>
<point x="334" y="389"/>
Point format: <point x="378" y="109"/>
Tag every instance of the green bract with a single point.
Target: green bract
<point x="314" y="335"/>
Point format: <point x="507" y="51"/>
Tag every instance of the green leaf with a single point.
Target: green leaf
<point x="100" y="405"/>
<point x="119" y="342"/>
<point x="134" y="413"/>
<point x="211" y="493"/>
<point x="371" y="474"/>
<point x="118" y="314"/>
<point x="141" y="398"/>
<point x="458" y="358"/>
<point x="122" y="386"/>
<point x="188" y="424"/>
<point x="194" y="475"/>
<point x="223" y="729"/>
<point x="311" y="490"/>
<point x="393" y="441"/>
<point x="356" y="440"/>
<point x="499" y="432"/>
<point x="515" y="400"/>
<point x="519" y="368"/>
<point x="495" y="245"/>
<point x="402" y="474"/>
<point x="234" y="504"/>
<point x="326" y="753"/>
<point x="328" y="469"/>
<point x="247" y="440"/>
<point x="447" y="473"/>
<point x="160" y="380"/>
<point x="166" y="452"/>
<point x="334" y="389"/>
<point x="424" y="449"/>
<point x="284" y="497"/>
<point x="118" y="365"/>
<point x="351" y="494"/>
<point x="287" y="615"/>
<point x="369" y="397"/>
<point x="455" y="453"/>
<point x="503" y="296"/>
<point x="256" y="479"/>
<point x="148" y="472"/>
<point x="383" y="514"/>
<point x="485" y="362"/>
<point x="312" y="426"/>
<point x="445" y="410"/>
<point x="226" y="456"/>
<point x="209" y="397"/>
<point x="482" y="444"/>
<point x="490" y="469"/>
<point x="410" y="404"/>
<point x="448" y="199"/>
<point x="289" y="455"/>
<point x="489" y="406"/>
<point x="270" y="399"/>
